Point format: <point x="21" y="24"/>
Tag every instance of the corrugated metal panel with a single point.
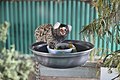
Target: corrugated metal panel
<point x="25" y="16"/>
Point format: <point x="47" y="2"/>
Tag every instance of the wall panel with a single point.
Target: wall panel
<point x="25" y="16"/>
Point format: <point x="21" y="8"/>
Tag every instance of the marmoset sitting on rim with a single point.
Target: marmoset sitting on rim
<point x="52" y="35"/>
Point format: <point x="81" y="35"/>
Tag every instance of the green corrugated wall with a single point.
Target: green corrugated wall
<point x="25" y="16"/>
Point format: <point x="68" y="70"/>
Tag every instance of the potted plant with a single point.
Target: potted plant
<point x="13" y="65"/>
<point x="111" y="66"/>
<point x="107" y="25"/>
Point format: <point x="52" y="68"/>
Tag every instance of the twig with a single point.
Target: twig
<point x="116" y="77"/>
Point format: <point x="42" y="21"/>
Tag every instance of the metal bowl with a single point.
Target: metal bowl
<point x="62" y="61"/>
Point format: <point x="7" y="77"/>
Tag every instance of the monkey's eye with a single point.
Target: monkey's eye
<point x="65" y="29"/>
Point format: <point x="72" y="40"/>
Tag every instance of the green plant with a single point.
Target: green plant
<point x="108" y="19"/>
<point x="112" y="60"/>
<point x="13" y="65"/>
<point x="107" y="25"/>
<point x="3" y="34"/>
<point x="3" y="31"/>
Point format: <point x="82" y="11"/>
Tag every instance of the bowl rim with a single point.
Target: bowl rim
<point x="61" y="55"/>
<point x="45" y="54"/>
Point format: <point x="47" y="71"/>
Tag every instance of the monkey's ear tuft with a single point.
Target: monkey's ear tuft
<point x="56" y="25"/>
<point x="69" y="27"/>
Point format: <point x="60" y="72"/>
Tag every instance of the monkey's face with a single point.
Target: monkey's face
<point x="62" y="29"/>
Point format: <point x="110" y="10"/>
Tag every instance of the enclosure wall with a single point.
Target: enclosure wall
<point x="24" y="16"/>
